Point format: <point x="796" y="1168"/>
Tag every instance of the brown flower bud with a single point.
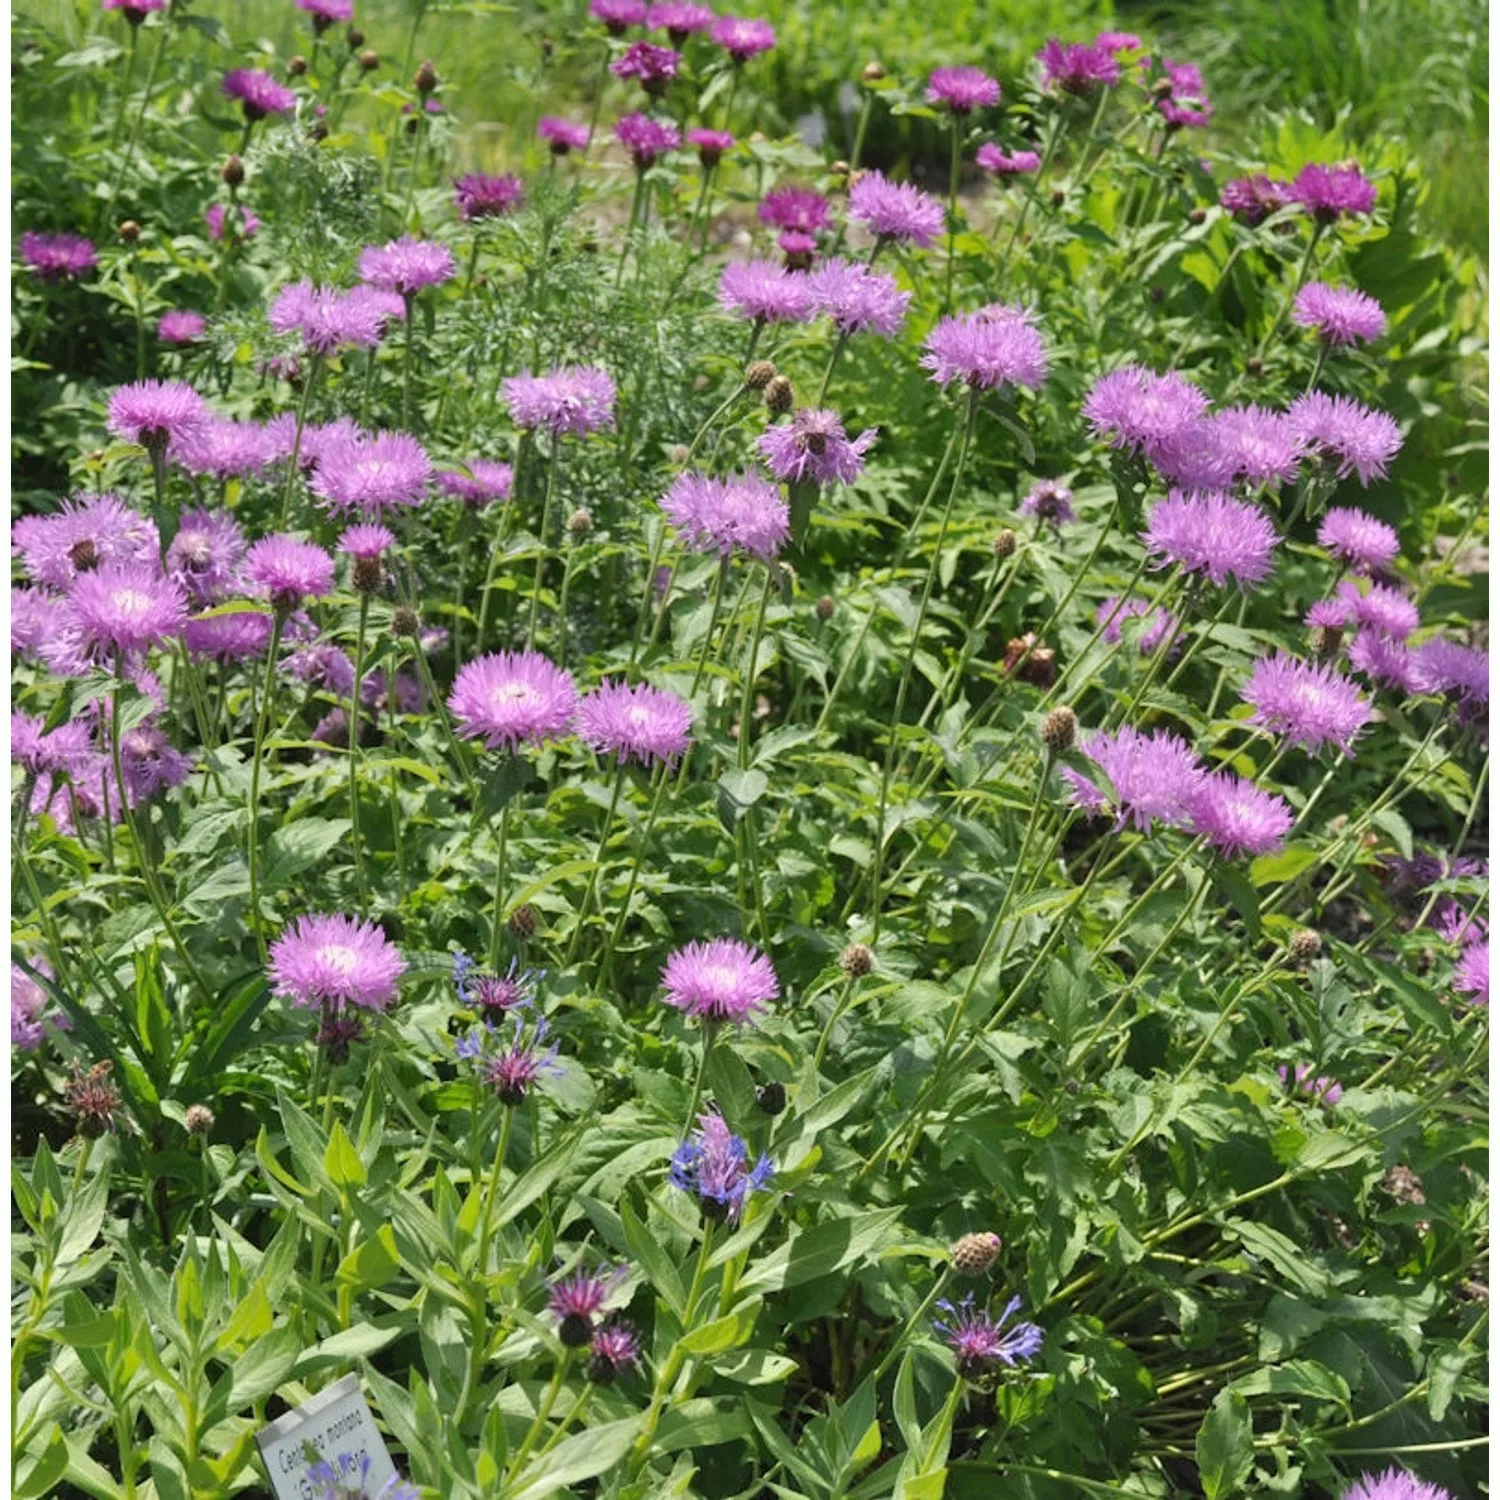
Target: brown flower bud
<point x="296" y="66"/>
<point x="1304" y="946"/>
<point x="873" y="72"/>
<point x="759" y="373"/>
<point x="771" y="1097"/>
<point x="84" y="555"/>
<point x="1255" y="365"/>
<point x="369" y="59"/>
<point x="522" y="923"/>
<point x="198" y="1118"/>
<point x="779" y="395"/>
<point x="368" y="575"/>
<point x="581" y="522"/>
<point x="319" y="132"/>
<point x="233" y="171"/>
<point x="1058" y="197"/>
<point x="355" y="37"/>
<point x="840" y="168"/>
<point x="405" y="621"/>
<point x="1004" y="544"/>
<point x="130" y="231"/>
<point x="1197" y="215"/>
<point x="824" y="607"/>
<point x="1059" y="730"/>
<point x="974" y="1254"/>
<point x="1155" y="295"/>
<point x="1035" y="661"/>
<point x="856" y="960"/>
<point x="426" y="79"/>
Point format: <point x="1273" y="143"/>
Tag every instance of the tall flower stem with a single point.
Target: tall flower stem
<point x="599" y="88"/>
<point x="541" y="556"/>
<point x="657" y="543"/>
<point x="543" y="1413"/>
<point x="262" y="715"/>
<point x="478" y="1335"/>
<point x="635" y="213"/>
<point x="663" y="778"/>
<point x="292" y="466"/>
<point x="497" y="554"/>
<point x="354" y="700"/>
<point x="710" y="1035"/>
<point x="498" y="924"/>
<point x="953" y="165"/>
<point x="1291" y="296"/>
<point x="406" y="362"/>
<point x="135" y="129"/>
<point x="586" y="905"/>
<point x="877" y="863"/>
<point x="839" y="345"/>
<point x="747" y="698"/>
<point x="1053" y="135"/>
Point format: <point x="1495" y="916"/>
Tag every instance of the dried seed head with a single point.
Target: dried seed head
<point x="581" y="522"/>
<point x="1327" y="640"/>
<point x="1404" y="1185"/>
<point x="369" y="59"/>
<point x="296" y="66"/>
<point x="1033" y="660"/>
<point x="1059" y="730"/>
<point x="521" y="924"/>
<point x="974" y="1254"/>
<point x="759" y="373"/>
<point x="93" y="1098"/>
<point x="1004" y="543"/>
<point x="825" y="607"/>
<point x="367" y="574"/>
<point x="873" y="73"/>
<point x="771" y="1097"/>
<point x="198" y="1118"/>
<point x="232" y="172"/>
<point x="678" y="454"/>
<point x="857" y="960"/>
<point x="405" y="621"/>
<point x="779" y="395"/>
<point x="130" y="231"/>
<point x="426" y="79"/>
<point x="355" y="37"/>
<point x="1304" y="946"/>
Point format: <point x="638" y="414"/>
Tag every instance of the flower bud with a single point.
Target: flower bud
<point x="522" y="924"/>
<point x="771" y="1097"/>
<point x="1059" y="730"/>
<point x="1255" y="365"/>
<point x="405" y="622"/>
<point x="296" y="66"/>
<point x="759" y="373"/>
<point x="1304" y="946"/>
<point x="581" y="522"/>
<point x="840" y="168"/>
<point x="369" y="59"/>
<point x="779" y="396"/>
<point x="130" y="231"/>
<point x="232" y="172"/>
<point x="198" y="1118"/>
<point x="319" y="132"/>
<point x="873" y="72"/>
<point x="856" y="960"/>
<point x="1156" y="296"/>
<point x="1035" y="661"/>
<point x="1058" y="197"/>
<point x="1004" y="544"/>
<point x="678" y="454"/>
<point x="1197" y="216"/>
<point x="825" y="607"/>
<point x="84" y="555"/>
<point x="355" y="37"/>
<point x="974" y="1254"/>
<point x="426" y="79"/>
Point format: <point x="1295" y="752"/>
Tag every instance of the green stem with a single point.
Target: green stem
<point x="292" y="468"/>
<point x="354" y="702"/>
<point x="588" y="896"/>
<point x="498" y="922"/>
<point x="262" y="714"/>
<point x="541" y="557"/>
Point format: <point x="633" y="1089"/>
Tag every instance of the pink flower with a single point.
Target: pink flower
<point x="761" y="291"/>
<point x="478" y="196"/>
<point x="579" y="399"/>
<point x="1358" y="539"/>
<point x="288" y="570"/>
<point x="895" y="210"/>
<point x="1306" y="702"/>
<point x="646" y="139"/>
<point x="963" y="90"/>
<point x="1078" y="67"/>
<point x="372" y="473"/>
<point x="813" y="446"/>
<point x="153" y="412"/>
<point x="1339" y="315"/>
<point x="722" y="980"/>
<point x="335" y="961"/>
<point x="742" y="511"/>
<point x="742" y="38"/>
<point x="1236" y="816"/>
<point x="562" y="136"/>
<point x="999" y="163"/>
<point x="635" y="722"/>
<point x="1327" y="193"/>
<point x="406" y="266"/>
<point x="1210" y="533"/>
<point x="259" y="94"/>
<point x="480" y="481"/>
<point x="996" y="346"/>
<point x="127" y="608"/>
<point x="181" y="326"/>
<point x="58" y="257"/>
<point x="510" y="699"/>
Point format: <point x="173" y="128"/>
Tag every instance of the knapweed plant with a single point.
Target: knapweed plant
<point x="741" y="821"/>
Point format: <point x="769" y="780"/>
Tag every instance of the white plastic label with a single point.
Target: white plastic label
<point x="339" y="1425"/>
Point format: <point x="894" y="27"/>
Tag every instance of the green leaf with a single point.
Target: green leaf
<point x="372" y="1262"/>
<point x="739" y="791"/>
<point x="583" y="1456"/>
<point x="724" y="1333"/>
<point x="1298" y="1377"/>
<point x="341" y="1160"/>
<point x="820" y="1252"/>
<point x="41" y="1473"/>
<point x="1226" y="1446"/>
<point x="1241" y="894"/>
<point x="652" y="1259"/>
<point x="298" y="847"/>
<point x="1288" y="864"/>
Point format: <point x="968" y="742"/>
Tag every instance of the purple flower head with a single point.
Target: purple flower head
<point x="1441" y="666"/>
<point x="792" y="207"/>
<point x="562" y="136"/>
<point x="711" y="144"/>
<point x="578" y="1299"/>
<point x="239" y="635"/>
<point x="216" y="215"/>
<point x="1211" y="534"/>
<point x="1236" y="817"/>
<point x="205" y="555"/>
<point x="150" y="763"/>
<point x="743" y="37"/>
<point x="321" y="664"/>
<point x="1327" y="193"/>
<point x="1380" y="608"/>
<point x="963" y="90"/>
<point x="1153" y="777"/>
<point x="1112" y="611"/>
<point x="1339" y="315"/>
<point x="1327" y="614"/>
<point x="895" y="210"/>
<point x="153" y="412"/>
<point x="635" y="722"/>
<point x="181" y="326"/>
<point x="493" y="995"/>
<point x="1355" y="537"/>
<point x="618" y="15"/>
<point x="857" y="298"/>
<point x="479" y="482"/>
<point x="679" y="19"/>
<point x="37" y="618"/>
<point x="327" y="11"/>
<point x="222" y="448"/>
<point x="259" y="94"/>
<point x="722" y="980"/>
<point x="646" y="139"/>
<point x="1319" y="1089"/>
<point x="798" y="247"/>
<point x="981" y="1342"/>
<point x="1258" y="446"/>
<point x="1254" y="199"/>
<point x="329" y="319"/>
<point x="1078" y="67"/>
<point x="29" y="1016"/>
<point x="85" y="532"/>
<point x="1186" y="102"/>
<point x="1192" y="457"/>
<point x="998" y="163"/>
<point x="512" y="698"/>
<point x="996" y="346"/>
<point x="1360" y="439"/>
<point x="614" y="1347"/>
<point x="366" y="541"/>
<point x="135" y="11"/>
<point x="1471" y="974"/>
<point x="334" y="961"/>
<point x="655" y="67"/>
<point x="713" y="1165"/>
<point x="58" y="257"/>
<point x="1119" y="41"/>
<point x="372" y="474"/>
<point x="67" y="748"/>
<point x="1394" y="1484"/>
<point x="1306" y="702"/>
<point x="1384" y="661"/>
<point x="813" y="446"/>
<point x="761" y="291"/>
<point x="406" y="266"/>
<point x="287" y="571"/>
<point x="477" y="196"/>
<point x="1136" y="409"/>
<point x="1051" y="502"/>
<point x="740" y="511"/>
<point x="579" y="399"/>
<point x="127" y="608"/>
<point x="513" y="1071"/>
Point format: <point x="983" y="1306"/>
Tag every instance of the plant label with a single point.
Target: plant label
<point x="338" y="1426"/>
